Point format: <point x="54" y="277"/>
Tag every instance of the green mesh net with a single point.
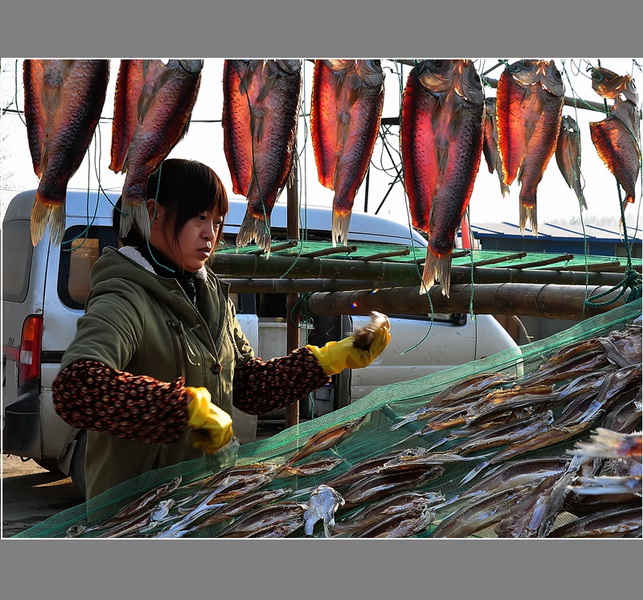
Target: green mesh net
<point x="382" y="408"/>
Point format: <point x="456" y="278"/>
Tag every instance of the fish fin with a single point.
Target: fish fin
<point x="135" y="212"/>
<point x="46" y="213"/>
<point x="436" y="268"/>
<point x="343" y="127"/>
<point x="528" y="216"/>
<point x="269" y="82"/>
<point x="257" y="123"/>
<point x="442" y="155"/>
<point x="254" y="228"/>
<point x="340" y="225"/>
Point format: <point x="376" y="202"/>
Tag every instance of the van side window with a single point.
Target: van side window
<point x="80" y="249"/>
<point x="16" y="243"/>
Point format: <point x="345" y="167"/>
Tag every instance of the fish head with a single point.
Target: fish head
<point x="611" y="85"/>
<point x="339" y="64"/>
<point x="289" y="67"/>
<point x="189" y="66"/>
<point x="436" y="75"/>
<point x="569" y="125"/>
<point x="370" y="72"/>
<point x="530" y="72"/>
<point x="524" y="71"/>
<point x="466" y="82"/>
<point x="551" y="79"/>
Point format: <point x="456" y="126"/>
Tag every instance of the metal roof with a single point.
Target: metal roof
<point x="552" y="230"/>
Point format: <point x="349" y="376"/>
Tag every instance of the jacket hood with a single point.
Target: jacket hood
<point x="129" y="265"/>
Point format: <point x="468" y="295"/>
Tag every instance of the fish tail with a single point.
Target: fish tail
<point x="436" y="268"/>
<point x="402" y="423"/>
<point x="414" y="434"/>
<point x="135" y="212"/>
<point x="504" y="188"/>
<point x="46" y="213"/>
<point x="469" y="476"/>
<point x="529" y="216"/>
<point x="254" y="228"/>
<point x="341" y="220"/>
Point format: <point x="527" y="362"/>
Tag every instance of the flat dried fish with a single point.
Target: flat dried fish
<point x="402" y="525"/>
<point x="613" y="522"/>
<point x="379" y="485"/>
<point x="326" y="438"/>
<point x="312" y="467"/>
<point x="322" y="505"/>
<point x="278" y="513"/>
<point x="398" y="503"/>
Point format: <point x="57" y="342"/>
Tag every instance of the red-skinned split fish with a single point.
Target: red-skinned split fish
<point x="617" y="139"/>
<point x="163" y="107"/>
<point x="347" y="102"/>
<point x="261" y="100"/>
<point x="63" y="103"/>
<point x="529" y="105"/>
<point x="441" y="144"/>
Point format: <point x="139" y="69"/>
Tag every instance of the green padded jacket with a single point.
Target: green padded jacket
<point x="139" y="322"/>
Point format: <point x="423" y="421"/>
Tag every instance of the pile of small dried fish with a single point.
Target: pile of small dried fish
<point x="588" y="394"/>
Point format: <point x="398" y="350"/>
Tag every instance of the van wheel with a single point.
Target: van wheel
<point x="77" y="464"/>
<point x="48" y="464"/>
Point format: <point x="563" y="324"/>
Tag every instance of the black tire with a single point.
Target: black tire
<point x="49" y="464"/>
<point x="77" y="464"/>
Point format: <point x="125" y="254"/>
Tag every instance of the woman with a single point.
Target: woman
<point x="159" y="359"/>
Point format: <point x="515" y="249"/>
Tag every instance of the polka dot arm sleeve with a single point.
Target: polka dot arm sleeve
<point x="261" y="386"/>
<point x="90" y="395"/>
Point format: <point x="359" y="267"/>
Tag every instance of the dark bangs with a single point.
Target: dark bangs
<point x="187" y="188"/>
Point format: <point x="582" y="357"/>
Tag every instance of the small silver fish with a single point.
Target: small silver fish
<point x="322" y="504"/>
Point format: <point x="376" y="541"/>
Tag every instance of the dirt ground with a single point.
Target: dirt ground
<point x="30" y="494"/>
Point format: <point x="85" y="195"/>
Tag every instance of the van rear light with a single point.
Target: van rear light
<point x="30" y="348"/>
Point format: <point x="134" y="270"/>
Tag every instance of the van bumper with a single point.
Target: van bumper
<point x="21" y="433"/>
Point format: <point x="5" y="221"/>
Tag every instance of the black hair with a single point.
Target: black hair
<point x="185" y="188"/>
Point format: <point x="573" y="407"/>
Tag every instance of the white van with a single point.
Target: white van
<point x="44" y="293"/>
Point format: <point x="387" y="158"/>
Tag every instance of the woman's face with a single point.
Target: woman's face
<point x="195" y="242"/>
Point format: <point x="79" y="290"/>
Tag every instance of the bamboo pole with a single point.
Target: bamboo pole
<point x="548" y="301"/>
<point x="248" y="285"/>
<point x="385" y="272"/>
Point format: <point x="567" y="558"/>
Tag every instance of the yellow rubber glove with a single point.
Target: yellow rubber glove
<point x="334" y="357"/>
<point x="211" y="426"/>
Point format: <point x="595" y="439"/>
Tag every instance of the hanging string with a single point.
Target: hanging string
<point x="156" y="200"/>
<point x="300" y="184"/>
<point x="580" y="206"/>
<point x="84" y="234"/>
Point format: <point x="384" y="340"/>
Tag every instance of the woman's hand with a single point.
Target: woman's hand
<point x="334" y="357"/>
<point x="211" y="426"/>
